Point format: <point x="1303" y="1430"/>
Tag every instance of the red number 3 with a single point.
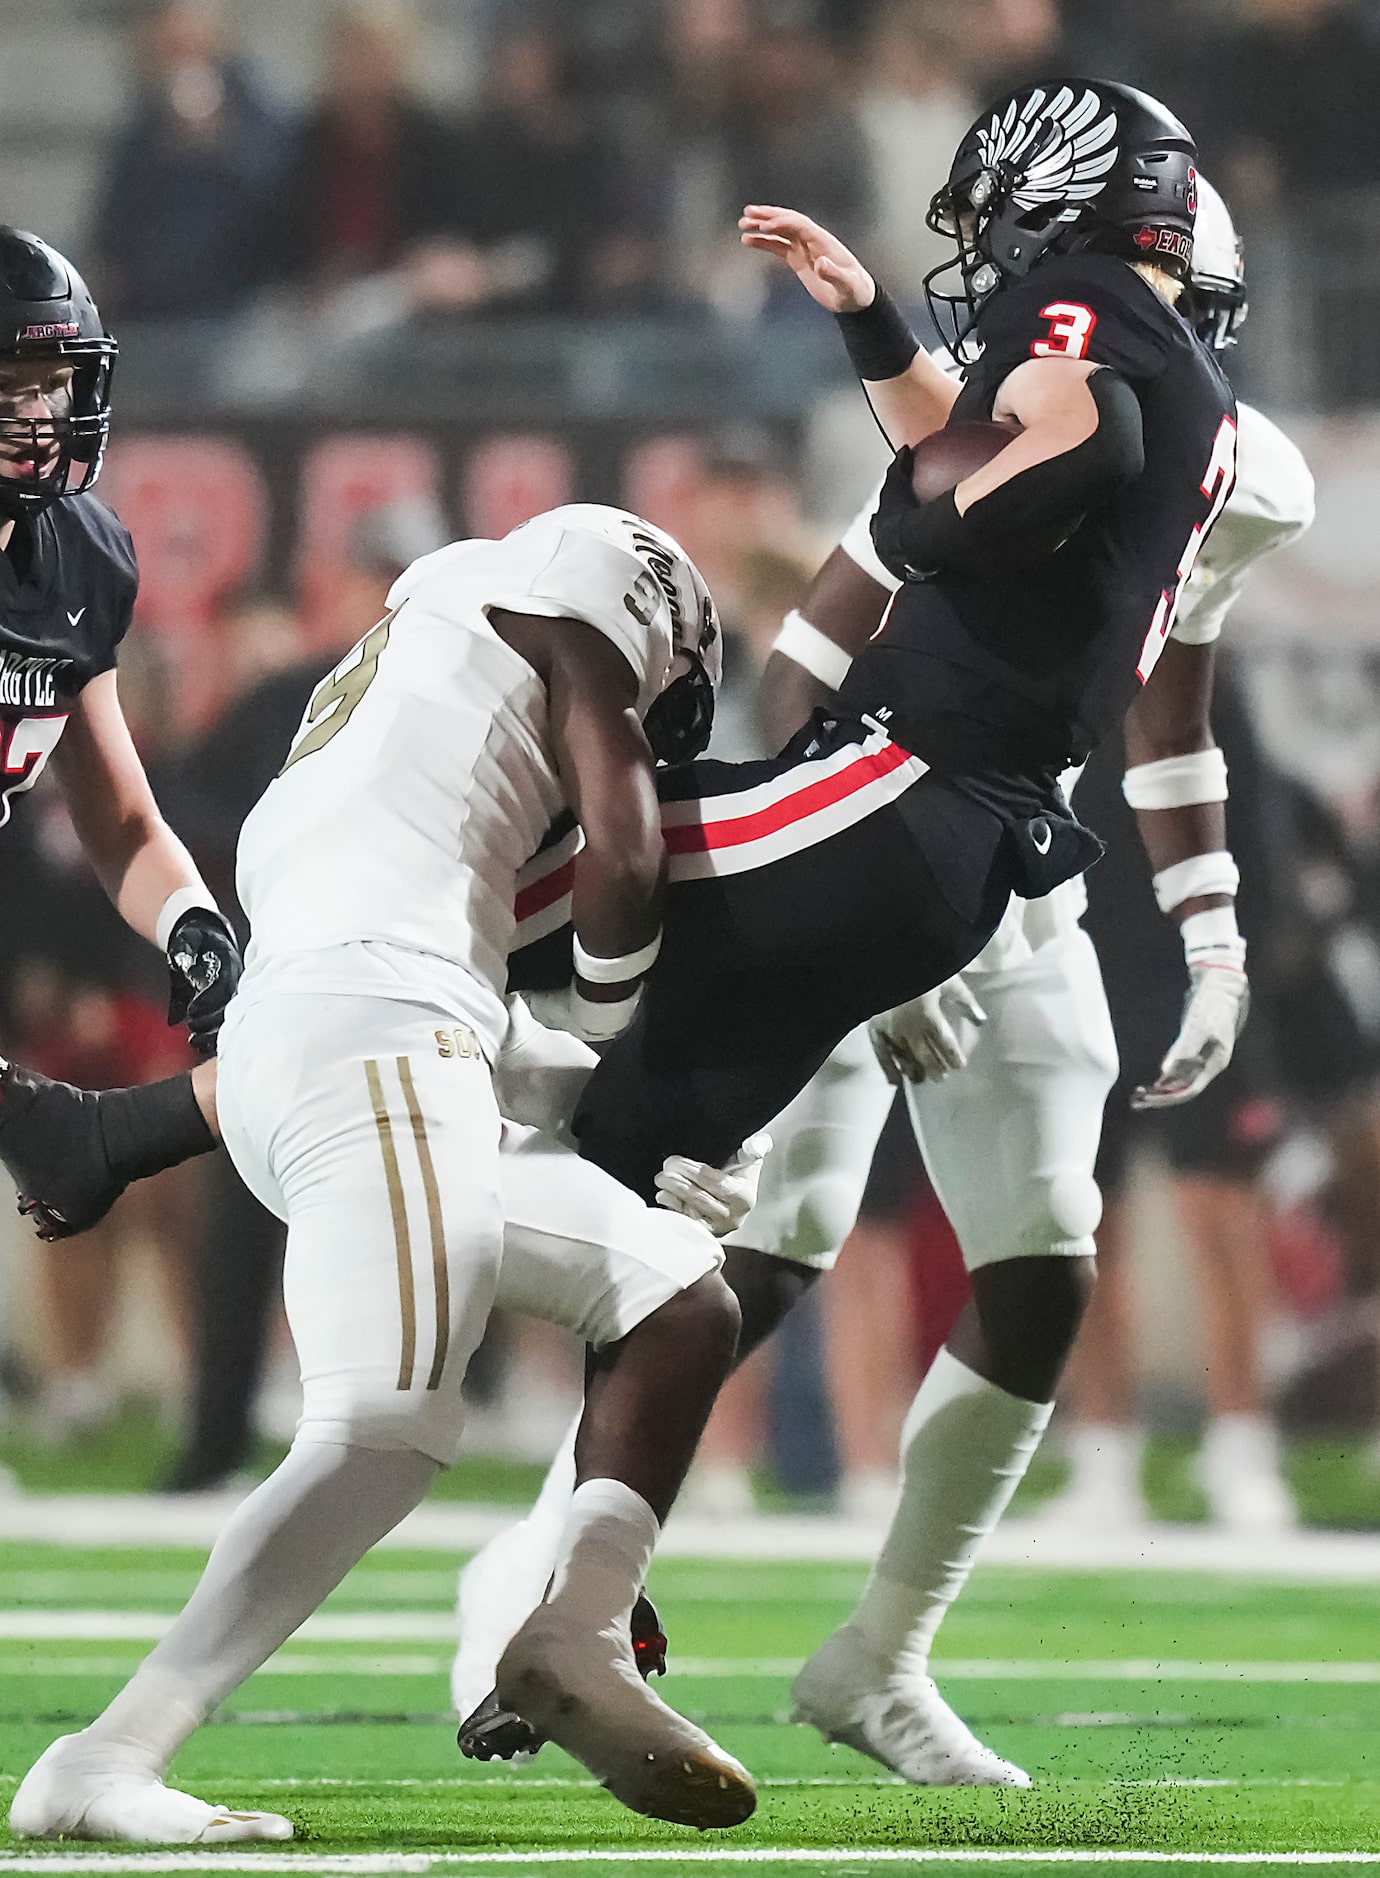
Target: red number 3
<point x="1070" y="329"/>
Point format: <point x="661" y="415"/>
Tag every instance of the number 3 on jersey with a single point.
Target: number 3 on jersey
<point x="1216" y="485"/>
<point x="25" y="746"/>
<point x="1070" y="329"/>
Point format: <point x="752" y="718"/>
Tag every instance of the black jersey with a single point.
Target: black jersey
<point x="67" y="587"/>
<point x="1002" y="681"/>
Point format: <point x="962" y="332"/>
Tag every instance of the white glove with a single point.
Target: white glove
<point x="592" y="1023"/>
<point x="718" y="1197"/>
<point x="917" y="1042"/>
<point x="1219" y="999"/>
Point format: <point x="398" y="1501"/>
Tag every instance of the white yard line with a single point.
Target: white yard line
<point x="385" y="1627"/>
<point x="1311" y="1557"/>
<point x="226" y="1860"/>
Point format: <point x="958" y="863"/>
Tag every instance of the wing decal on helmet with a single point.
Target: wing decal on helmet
<point x="1053" y="149"/>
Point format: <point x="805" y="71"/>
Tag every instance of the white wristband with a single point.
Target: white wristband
<point x="1199" y="874"/>
<point x="1212" y="938"/>
<point x="1177" y="782"/>
<point x="815" y="652"/>
<point x="597" y="1023"/>
<point x="617" y="971"/>
<point x="181" y="901"/>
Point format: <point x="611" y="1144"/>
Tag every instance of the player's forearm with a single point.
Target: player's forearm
<point x="149" y="873"/>
<point x="1193" y="834"/>
<point x="915" y="405"/>
<point x="789" y="695"/>
<point x="615" y="904"/>
<point x="1176" y="780"/>
<point x="910" y="395"/>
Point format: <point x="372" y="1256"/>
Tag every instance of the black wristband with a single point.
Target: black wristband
<point x="879" y="340"/>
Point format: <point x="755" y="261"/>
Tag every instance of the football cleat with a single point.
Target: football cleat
<point x="900" y="1719"/>
<point x="53" y="1145"/>
<point x="493" y="1732"/>
<point x="78" y="1789"/>
<point x="580" y="1688"/>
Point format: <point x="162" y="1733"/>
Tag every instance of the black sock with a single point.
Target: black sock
<point x="151" y="1127"/>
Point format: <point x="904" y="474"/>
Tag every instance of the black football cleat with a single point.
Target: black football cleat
<point x="53" y="1145"/>
<point x="495" y="1733"/>
<point x="648" y="1639"/>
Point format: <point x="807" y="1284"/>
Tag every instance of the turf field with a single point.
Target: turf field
<point x="1165" y="1718"/>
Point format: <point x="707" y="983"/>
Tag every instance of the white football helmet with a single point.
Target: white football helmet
<point x="1214" y="302"/>
<point x="680" y="716"/>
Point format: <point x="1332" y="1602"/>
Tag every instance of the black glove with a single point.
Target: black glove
<point x="914" y="539"/>
<point x="205" y="965"/>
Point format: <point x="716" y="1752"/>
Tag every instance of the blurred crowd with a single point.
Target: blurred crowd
<point x="595" y="166"/>
<point x="604" y="151"/>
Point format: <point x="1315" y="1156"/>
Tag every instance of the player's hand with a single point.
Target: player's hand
<point x="917" y="1042"/>
<point x="591" y="1023"/>
<point x="895" y="517"/>
<point x="830" y="273"/>
<point x="718" y="1197"/>
<point x="1219" y="999"/>
<point x="204" y="966"/>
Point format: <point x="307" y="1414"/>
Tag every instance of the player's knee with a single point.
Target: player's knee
<point x="1028" y="1311"/>
<point x="417" y="1421"/>
<point x="705" y="1318"/>
<point x="828" y="1210"/>
<point x="1064" y="1217"/>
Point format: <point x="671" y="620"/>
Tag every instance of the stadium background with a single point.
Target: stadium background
<point x="516" y="280"/>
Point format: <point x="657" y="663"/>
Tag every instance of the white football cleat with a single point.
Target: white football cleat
<point x="581" y="1689"/>
<point x="1238" y="1468"/>
<point x="499" y="1590"/>
<point x="901" y="1720"/>
<point x="80" y="1789"/>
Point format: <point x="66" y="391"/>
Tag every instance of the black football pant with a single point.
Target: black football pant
<point x="783" y="931"/>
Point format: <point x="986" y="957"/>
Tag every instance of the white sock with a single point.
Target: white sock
<point x="544" y="1525"/>
<point x="606" y="1546"/>
<point x="1241" y="1443"/>
<point x="283" y="1550"/>
<point x="964" y="1448"/>
<point x="1104" y="1459"/>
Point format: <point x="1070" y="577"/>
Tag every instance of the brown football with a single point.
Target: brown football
<point x="951" y="455"/>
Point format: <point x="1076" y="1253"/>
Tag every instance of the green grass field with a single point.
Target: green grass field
<point x="1157" y="1713"/>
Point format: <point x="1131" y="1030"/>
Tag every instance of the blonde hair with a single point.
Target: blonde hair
<point x="1167" y="285"/>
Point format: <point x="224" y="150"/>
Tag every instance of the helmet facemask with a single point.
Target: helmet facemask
<point x="679" y="720"/>
<point x="1214" y="301"/>
<point x="67" y="446"/>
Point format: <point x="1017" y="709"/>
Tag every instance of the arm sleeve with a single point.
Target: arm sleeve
<point x="1032" y="515"/>
<point x="1271" y="503"/>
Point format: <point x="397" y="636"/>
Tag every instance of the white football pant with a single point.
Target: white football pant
<point x="1010" y="1141"/>
<point x="371" y="1127"/>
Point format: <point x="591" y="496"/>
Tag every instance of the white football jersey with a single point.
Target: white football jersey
<point x="1272" y="501"/>
<point x="383" y="858"/>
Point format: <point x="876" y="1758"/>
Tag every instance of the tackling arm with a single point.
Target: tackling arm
<point x="1176" y="781"/>
<point x="607" y="769"/>
<point x="818" y="642"/>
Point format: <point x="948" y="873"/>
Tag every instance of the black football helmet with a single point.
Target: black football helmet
<point x="46" y="312"/>
<point x="1214" y="301"/>
<point x="1055" y="169"/>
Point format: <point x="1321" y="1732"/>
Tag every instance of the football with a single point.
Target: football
<point x="949" y="456"/>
